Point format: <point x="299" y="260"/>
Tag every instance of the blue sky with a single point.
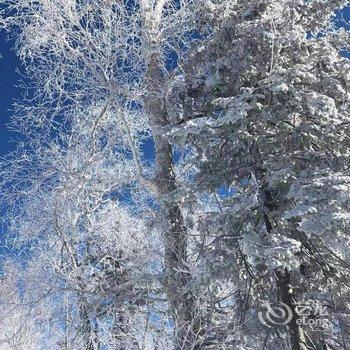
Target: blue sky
<point x="9" y="64"/>
<point x="8" y="91"/>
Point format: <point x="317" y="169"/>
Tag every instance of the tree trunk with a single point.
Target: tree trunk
<point x="284" y="286"/>
<point x="87" y="330"/>
<point x="286" y="293"/>
<point x="182" y="301"/>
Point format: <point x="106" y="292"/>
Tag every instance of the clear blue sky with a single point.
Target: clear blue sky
<point x="9" y="78"/>
<point x="8" y="91"/>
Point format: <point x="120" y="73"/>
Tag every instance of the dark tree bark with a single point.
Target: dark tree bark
<point x="182" y="300"/>
<point x="284" y="286"/>
<point x="286" y="294"/>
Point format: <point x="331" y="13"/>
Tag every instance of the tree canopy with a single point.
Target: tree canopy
<point x="183" y="170"/>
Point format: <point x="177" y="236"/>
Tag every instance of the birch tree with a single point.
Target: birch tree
<point x="115" y="54"/>
<point x="87" y="256"/>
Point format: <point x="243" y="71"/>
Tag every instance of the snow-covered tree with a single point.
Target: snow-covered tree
<point x="89" y="255"/>
<point x="115" y="54"/>
<point x="263" y="107"/>
<point x="247" y="198"/>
